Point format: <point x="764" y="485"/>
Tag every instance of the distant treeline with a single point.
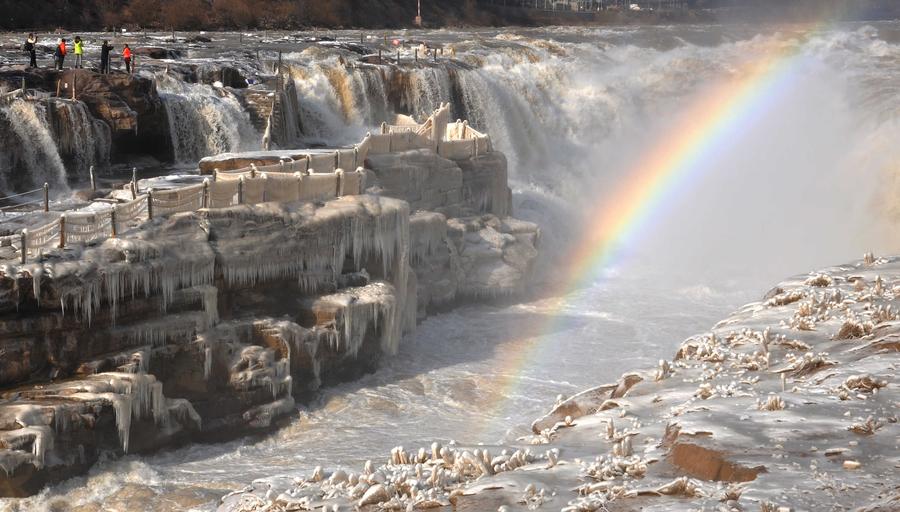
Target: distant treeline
<point x="251" y="14"/>
<point x="231" y="14"/>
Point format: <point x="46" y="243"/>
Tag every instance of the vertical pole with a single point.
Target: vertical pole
<point x="415" y="54"/>
<point x="265" y="194"/>
<point x="93" y="181"/>
<point x="133" y="191"/>
<point x="46" y="197"/>
<point x="23" y="86"/>
<point x="62" y="231"/>
<point x="240" y="193"/>
<point x="279" y="62"/>
<point x="361" y="38"/>
<point x="204" y="200"/>
<point x="74" y="83"/>
<point x="150" y="204"/>
<point x="23" y="245"/>
<point x="379" y="55"/>
<point x="58" y="84"/>
<point x="337" y="186"/>
<point x="112" y="222"/>
<point x="337" y="160"/>
<point x="134" y="180"/>
<point x="398" y="56"/>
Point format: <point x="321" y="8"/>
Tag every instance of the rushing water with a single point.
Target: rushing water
<point x="809" y="180"/>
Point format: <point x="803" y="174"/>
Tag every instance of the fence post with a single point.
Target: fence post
<point x="307" y="164"/>
<point x="240" y="190"/>
<point x="299" y="177"/>
<point x="337" y="160"/>
<point x="62" y="231"/>
<point x="46" y="197"/>
<point x="355" y="157"/>
<point x="265" y="194"/>
<point x="416" y="55"/>
<point x="337" y="189"/>
<point x="205" y="197"/>
<point x="133" y="191"/>
<point x="362" y="180"/>
<point x="93" y="181"/>
<point x="112" y="222"/>
<point x="398" y="56"/>
<point x="23" y="242"/>
<point x="150" y="204"/>
<point x="379" y="55"/>
<point x="134" y="179"/>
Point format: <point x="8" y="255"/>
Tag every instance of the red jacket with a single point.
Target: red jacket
<point x="126" y="53"/>
<point x="62" y="49"/>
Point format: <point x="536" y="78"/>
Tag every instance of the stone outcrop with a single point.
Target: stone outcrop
<point x="210" y="324"/>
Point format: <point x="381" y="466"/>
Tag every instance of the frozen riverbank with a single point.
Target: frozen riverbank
<point x="790" y="402"/>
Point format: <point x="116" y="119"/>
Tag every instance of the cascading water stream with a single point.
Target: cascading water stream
<point x="29" y="157"/>
<point x="205" y="120"/>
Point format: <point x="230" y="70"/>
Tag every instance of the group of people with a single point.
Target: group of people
<point x="59" y="54"/>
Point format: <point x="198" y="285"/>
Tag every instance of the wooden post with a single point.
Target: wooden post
<point x="133" y="191"/>
<point x="112" y="222"/>
<point x="398" y="56"/>
<point x="23" y="86"/>
<point x="361" y="38"/>
<point x="23" y="243"/>
<point x="337" y="160"/>
<point x="379" y="55"/>
<point x="265" y="194"/>
<point x="93" y="181"/>
<point x="62" y="231"/>
<point x="46" y="197"/>
<point x="134" y="180"/>
<point x="240" y="190"/>
<point x="150" y="204"/>
<point x="355" y="157"/>
<point x="204" y="201"/>
<point x="58" y="84"/>
<point x="434" y="53"/>
<point x="337" y="189"/>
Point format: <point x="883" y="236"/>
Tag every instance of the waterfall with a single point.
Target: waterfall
<point x="29" y="156"/>
<point x="205" y="120"/>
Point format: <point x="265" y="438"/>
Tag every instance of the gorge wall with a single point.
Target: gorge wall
<point x="209" y="324"/>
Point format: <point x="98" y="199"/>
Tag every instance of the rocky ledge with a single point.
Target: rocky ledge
<point x="209" y="324"/>
<point x="789" y="404"/>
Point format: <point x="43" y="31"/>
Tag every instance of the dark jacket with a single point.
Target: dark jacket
<point x="104" y="51"/>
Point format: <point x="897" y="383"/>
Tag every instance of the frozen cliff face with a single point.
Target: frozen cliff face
<point x="202" y="323"/>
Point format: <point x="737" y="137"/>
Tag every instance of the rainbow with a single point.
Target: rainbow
<point x="710" y="124"/>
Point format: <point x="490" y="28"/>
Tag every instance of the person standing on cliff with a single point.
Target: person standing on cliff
<point x="31" y="48"/>
<point x="79" y="52"/>
<point x="126" y="56"/>
<point x="104" y="57"/>
<point x="60" y="54"/>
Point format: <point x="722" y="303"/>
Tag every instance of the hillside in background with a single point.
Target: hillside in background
<point x="290" y="14"/>
<point x="196" y="14"/>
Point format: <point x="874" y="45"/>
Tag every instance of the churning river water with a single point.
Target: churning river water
<point x="806" y="177"/>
